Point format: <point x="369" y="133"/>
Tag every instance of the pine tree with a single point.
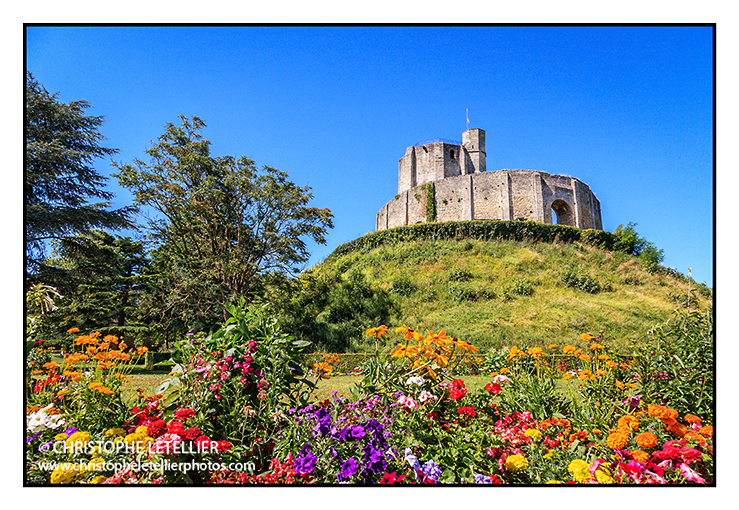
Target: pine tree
<point x="60" y="181"/>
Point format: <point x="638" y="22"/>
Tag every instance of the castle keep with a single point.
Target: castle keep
<point x="455" y="178"/>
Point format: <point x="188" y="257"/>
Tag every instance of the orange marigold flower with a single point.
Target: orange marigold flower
<point x="73" y="330"/>
<point x="678" y="429"/>
<point x="585" y="357"/>
<point x="640" y="455"/>
<point x="567" y="376"/>
<point x="534" y="351"/>
<point x="585" y="337"/>
<point x="691" y="418"/>
<point x="694" y="436"/>
<point x="655" y="410"/>
<point x="618" y="440"/>
<point x="646" y="440"/>
<point x="628" y="422"/>
<point x="596" y="347"/>
<point x="95" y="385"/>
<point x="552" y="346"/>
<point x="568" y="349"/>
<point x="706" y="431"/>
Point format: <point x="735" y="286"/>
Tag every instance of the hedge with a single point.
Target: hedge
<point x="482" y="230"/>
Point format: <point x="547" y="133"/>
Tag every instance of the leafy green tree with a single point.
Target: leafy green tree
<point x="221" y="224"/>
<point x="102" y="286"/>
<point x="61" y="145"/>
<point x="629" y="241"/>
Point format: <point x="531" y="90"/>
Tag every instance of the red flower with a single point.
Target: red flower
<point x="156" y="428"/>
<point x="458" y="392"/>
<point x="224" y="446"/>
<point x="493" y="388"/>
<point x="184" y="414"/>
<point x="192" y="434"/>
<point x="391" y="478"/>
<point x="176" y="427"/>
<point x="467" y="411"/>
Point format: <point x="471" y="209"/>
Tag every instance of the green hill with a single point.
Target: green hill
<point x="504" y="284"/>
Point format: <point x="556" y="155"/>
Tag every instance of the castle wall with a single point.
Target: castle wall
<point x="500" y="195"/>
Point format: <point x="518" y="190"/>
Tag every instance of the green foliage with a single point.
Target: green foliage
<point x="225" y="376"/>
<point x="402" y="286"/>
<point x="99" y="275"/>
<point x="629" y="241"/>
<point x="459" y="275"/>
<point x="223" y="226"/>
<point x="580" y="280"/>
<point x="480" y="230"/>
<point x="430" y="201"/>
<point x="521" y="288"/>
<point x="676" y="365"/>
<point x="332" y="311"/>
<point x="62" y="144"/>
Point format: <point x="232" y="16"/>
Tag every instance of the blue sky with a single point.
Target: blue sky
<point x="627" y="110"/>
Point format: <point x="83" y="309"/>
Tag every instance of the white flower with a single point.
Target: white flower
<point x="425" y="395"/>
<point x="500" y="378"/>
<point x="36" y="422"/>
<point x="417" y="380"/>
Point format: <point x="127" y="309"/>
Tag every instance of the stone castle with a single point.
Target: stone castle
<point x="454" y="176"/>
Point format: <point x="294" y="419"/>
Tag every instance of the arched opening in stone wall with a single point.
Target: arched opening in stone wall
<point x="562" y="213"/>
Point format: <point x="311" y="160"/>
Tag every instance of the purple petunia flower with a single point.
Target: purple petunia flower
<point x="349" y="468"/>
<point x="432" y="470"/>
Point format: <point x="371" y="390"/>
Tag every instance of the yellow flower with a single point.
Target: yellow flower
<point x="78" y="440"/>
<point x="533" y="434"/>
<point x="602" y="477"/>
<point x="568" y="349"/>
<point x="596" y="347"/>
<point x="551" y="482"/>
<point x="585" y="337"/>
<point x="579" y="470"/>
<point x="515" y="463"/>
<point x="114" y="432"/>
<point x="63" y="473"/>
<point x="98" y="479"/>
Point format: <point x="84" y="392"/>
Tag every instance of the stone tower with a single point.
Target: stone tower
<point x="473" y="141"/>
<point x="463" y="190"/>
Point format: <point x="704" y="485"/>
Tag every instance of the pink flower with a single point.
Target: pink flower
<point x="689" y="474"/>
<point x="425" y="395"/>
<point x="407" y="402"/>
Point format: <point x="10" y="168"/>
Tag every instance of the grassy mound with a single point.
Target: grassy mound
<point x="547" y="285"/>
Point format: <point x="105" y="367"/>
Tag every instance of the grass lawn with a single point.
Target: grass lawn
<point x="149" y="381"/>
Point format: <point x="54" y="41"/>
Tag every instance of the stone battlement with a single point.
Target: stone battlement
<point x="455" y="177"/>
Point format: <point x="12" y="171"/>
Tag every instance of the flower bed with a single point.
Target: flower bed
<point x="238" y="411"/>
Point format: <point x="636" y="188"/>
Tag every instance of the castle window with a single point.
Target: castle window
<point x="451" y="153"/>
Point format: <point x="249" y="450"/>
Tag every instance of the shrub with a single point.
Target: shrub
<point x="402" y="286"/>
<point x="577" y="279"/>
<point x="459" y="275"/>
